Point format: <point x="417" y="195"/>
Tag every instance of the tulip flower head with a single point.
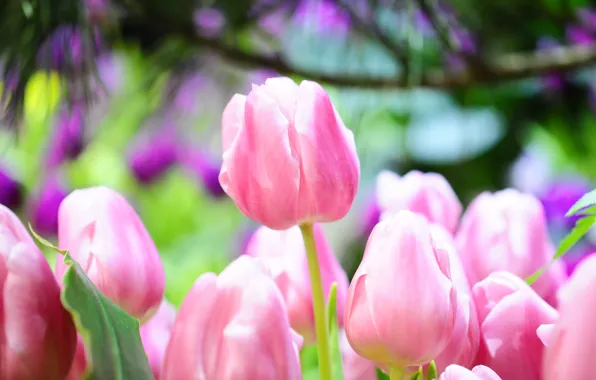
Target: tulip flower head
<point x="571" y="343"/>
<point x="428" y="194"/>
<point x="404" y="276"/>
<point x="283" y="252"/>
<point x="288" y="158"/>
<point x="242" y="313"/>
<point x="105" y="235"/>
<point x="510" y="314"/>
<point x="155" y="335"/>
<point x="480" y="372"/>
<point x="35" y="325"/>
<point x="506" y="231"/>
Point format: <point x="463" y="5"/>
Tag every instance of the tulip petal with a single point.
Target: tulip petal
<point x="232" y="120"/>
<point x="260" y="171"/>
<point x="285" y="91"/>
<point x="329" y="163"/>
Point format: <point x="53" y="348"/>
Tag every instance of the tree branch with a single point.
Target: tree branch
<point x="502" y="68"/>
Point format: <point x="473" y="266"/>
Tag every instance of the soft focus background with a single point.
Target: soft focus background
<point x="129" y="94"/>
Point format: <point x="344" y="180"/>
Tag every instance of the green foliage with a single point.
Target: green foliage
<point x="432" y="371"/>
<point x="111" y="335"/>
<point x="336" y="359"/>
<point x="585" y="206"/>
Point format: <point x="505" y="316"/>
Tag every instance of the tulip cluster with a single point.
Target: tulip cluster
<point x="436" y="291"/>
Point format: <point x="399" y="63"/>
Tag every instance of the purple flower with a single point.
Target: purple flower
<point x="205" y="168"/>
<point x="65" y="49"/>
<point x="578" y="35"/>
<point x="560" y="196"/>
<point x="153" y="156"/>
<point x="111" y="72"/>
<point x="67" y="142"/>
<point x="210" y="21"/>
<point x="324" y="16"/>
<point x="186" y="97"/>
<point x="44" y="208"/>
<point x="532" y="171"/>
<point x="587" y="18"/>
<point x="11" y="191"/>
<point x="370" y="217"/>
<point x="577" y="255"/>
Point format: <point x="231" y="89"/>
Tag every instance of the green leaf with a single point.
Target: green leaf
<point x="432" y="371"/>
<point x="587" y="200"/>
<point x="382" y="375"/>
<point x="111" y="335"/>
<point x="418" y="375"/>
<point x="582" y="226"/>
<point x="336" y="360"/>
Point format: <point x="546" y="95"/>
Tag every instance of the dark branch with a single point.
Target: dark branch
<point x="502" y="68"/>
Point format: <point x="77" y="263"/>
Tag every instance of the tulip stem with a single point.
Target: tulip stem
<point x="396" y="373"/>
<point x="318" y="302"/>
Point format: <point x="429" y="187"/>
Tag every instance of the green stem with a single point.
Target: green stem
<point x="396" y="373"/>
<point x="318" y="302"/>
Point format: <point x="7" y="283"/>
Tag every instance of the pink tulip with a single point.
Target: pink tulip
<point x="105" y="235"/>
<point x="480" y="372"/>
<point x="507" y="231"/>
<point x="288" y="158"/>
<point x="402" y="303"/>
<point x="545" y="332"/>
<point x="510" y="312"/>
<point x="572" y="341"/>
<point x="465" y="337"/>
<point x="79" y="363"/>
<point x="233" y="327"/>
<point x="428" y="194"/>
<point x="155" y="335"/>
<point x="284" y="254"/>
<point x="355" y="367"/>
<point x="39" y="337"/>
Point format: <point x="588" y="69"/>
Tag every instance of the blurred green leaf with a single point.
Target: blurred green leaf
<point x="584" y="202"/>
<point x="418" y="375"/>
<point x="432" y="371"/>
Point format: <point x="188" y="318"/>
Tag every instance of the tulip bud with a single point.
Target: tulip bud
<point x="44" y="207"/>
<point x="428" y="194"/>
<point x="572" y="341"/>
<point x="507" y="231"/>
<point x="205" y="169"/>
<point x="11" y="191"/>
<point x="105" y="235"/>
<point x="510" y="312"/>
<point x="403" y="277"/>
<point x="284" y="253"/>
<point x="152" y="157"/>
<point x="480" y="372"/>
<point x="242" y="314"/>
<point x="465" y="337"/>
<point x="35" y="325"/>
<point x="155" y="335"/>
<point x="68" y="139"/>
<point x="288" y="158"/>
<point x="355" y="367"/>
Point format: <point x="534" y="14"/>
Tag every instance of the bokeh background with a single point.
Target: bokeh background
<point x="489" y="94"/>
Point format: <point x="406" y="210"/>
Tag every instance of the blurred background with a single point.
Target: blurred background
<point x="129" y="94"/>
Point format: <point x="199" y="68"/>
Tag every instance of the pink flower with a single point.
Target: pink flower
<point x="288" y="158"/>
<point x="404" y="276"/>
<point x="572" y="341"/>
<point x="507" y="231"/>
<point x="465" y="337"/>
<point x="510" y="312"/>
<point x="79" y="363"/>
<point x="284" y="254"/>
<point x="233" y="327"/>
<point x="480" y="372"/>
<point x="428" y="194"/>
<point x="355" y="367"/>
<point x="155" y="335"/>
<point x="106" y="237"/>
<point x="39" y="336"/>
